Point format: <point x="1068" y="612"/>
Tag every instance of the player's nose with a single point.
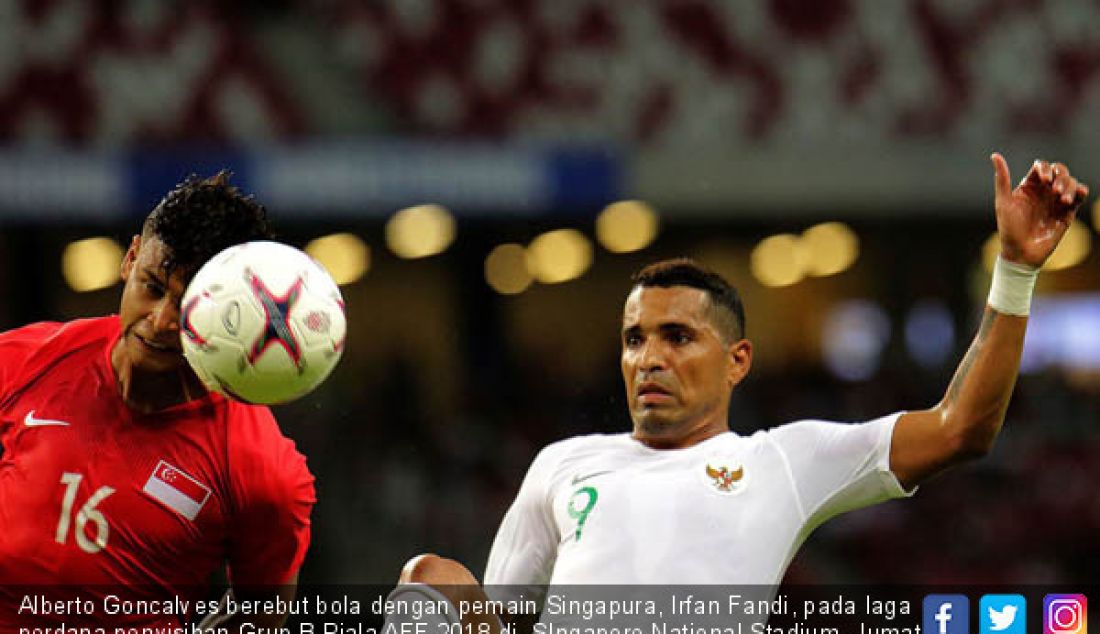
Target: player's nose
<point x="652" y="356"/>
<point x="165" y="316"/>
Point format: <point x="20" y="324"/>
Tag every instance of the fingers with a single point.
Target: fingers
<point x="1056" y="179"/>
<point x="1041" y="174"/>
<point x="1002" y="180"/>
<point x="1046" y="172"/>
<point x="1069" y="190"/>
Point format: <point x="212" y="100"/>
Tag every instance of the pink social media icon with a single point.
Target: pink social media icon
<point x="1065" y="614"/>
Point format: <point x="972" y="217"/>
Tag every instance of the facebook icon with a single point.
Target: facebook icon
<point x="946" y="614"/>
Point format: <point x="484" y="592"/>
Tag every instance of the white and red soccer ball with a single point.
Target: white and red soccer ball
<point x="262" y="322"/>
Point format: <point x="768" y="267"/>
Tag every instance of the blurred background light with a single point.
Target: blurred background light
<point x="1072" y="250"/>
<point x="506" y="269"/>
<point x="991" y="248"/>
<point x="930" y="333"/>
<point x="831" y="248"/>
<point x="91" y="264"/>
<point x="420" y="231"/>
<point x="626" y="226"/>
<point x="855" y="332"/>
<point x="779" y="260"/>
<point x="559" y="256"/>
<point x="344" y="255"/>
<point x="1063" y="332"/>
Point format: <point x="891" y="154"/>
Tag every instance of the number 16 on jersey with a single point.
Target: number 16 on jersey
<point x="88" y="512"/>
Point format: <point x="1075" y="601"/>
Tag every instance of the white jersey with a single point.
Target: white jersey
<point x="607" y="509"/>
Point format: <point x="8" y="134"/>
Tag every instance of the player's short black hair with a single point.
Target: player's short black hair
<point x="203" y="216"/>
<point x="729" y="312"/>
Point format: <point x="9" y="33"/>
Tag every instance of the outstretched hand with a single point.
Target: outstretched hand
<point x="1033" y="217"/>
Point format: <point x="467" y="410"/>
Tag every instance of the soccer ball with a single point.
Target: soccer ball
<point x="262" y="322"/>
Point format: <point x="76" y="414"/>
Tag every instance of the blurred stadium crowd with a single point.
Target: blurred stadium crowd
<point x="119" y="72"/>
<point x="448" y="389"/>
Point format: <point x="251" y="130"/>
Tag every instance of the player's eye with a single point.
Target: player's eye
<point x="154" y="289"/>
<point x="632" y="340"/>
<point x="680" y="337"/>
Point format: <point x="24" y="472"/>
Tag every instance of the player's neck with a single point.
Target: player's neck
<point x="148" y="392"/>
<point x="692" y="436"/>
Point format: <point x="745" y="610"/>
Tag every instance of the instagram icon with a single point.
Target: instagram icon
<point x="1065" y="614"/>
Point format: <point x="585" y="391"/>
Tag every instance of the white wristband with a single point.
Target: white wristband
<point x="1010" y="293"/>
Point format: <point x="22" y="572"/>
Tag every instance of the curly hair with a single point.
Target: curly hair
<point x="203" y="216"/>
<point x="729" y="312"/>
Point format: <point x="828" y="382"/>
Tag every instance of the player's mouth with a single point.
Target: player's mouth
<point x="157" y="347"/>
<point x="651" y="393"/>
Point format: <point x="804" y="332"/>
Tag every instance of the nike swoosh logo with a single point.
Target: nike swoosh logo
<point x="31" y="421"/>
<point x="577" y="479"/>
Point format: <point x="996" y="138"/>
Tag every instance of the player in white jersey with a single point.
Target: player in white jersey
<point x="609" y="509"/>
<point x="682" y="499"/>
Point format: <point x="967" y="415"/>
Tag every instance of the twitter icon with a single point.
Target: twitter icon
<point x="1002" y="614"/>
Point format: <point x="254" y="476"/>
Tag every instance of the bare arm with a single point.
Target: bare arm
<point x="1031" y="220"/>
<point x="236" y="622"/>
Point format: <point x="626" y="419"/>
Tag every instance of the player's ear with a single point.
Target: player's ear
<point x="740" y="361"/>
<point x="130" y="257"/>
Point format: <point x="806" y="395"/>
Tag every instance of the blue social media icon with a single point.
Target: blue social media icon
<point x="946" y="614"/>
<point x="1002" y="614"/>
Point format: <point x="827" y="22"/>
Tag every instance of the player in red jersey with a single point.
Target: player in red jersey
<point x="120" y="474"/>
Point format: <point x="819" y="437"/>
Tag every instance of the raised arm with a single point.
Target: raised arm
<point x="1031" y="220"/>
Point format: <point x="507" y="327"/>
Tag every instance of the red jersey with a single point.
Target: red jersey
<point x="93" y="493"/>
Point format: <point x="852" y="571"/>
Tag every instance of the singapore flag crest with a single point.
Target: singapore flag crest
<point x="172" y="487"/>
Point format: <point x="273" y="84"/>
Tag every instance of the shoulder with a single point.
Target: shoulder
<point x="585" y="442"/>
<point x="35" y="347"/>
<point x="260" y="455"/>
<point x="43" y="332"/>
<point x="68" y="333"/>
<point x="821" y="434"/>
<point x="31" y="333"/>
<point x="248" y="425"/>
<point x="798" y="430"/>
<point x="558" y="458"/>
<point x="19" y="344"/>
<point x="580" y="446"/>
<point x="253" y="433"/>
